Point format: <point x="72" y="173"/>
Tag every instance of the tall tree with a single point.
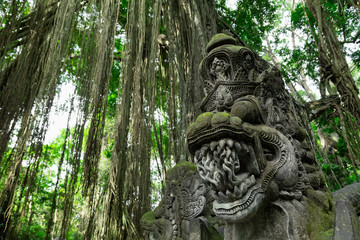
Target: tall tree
<point x="46" y="35"/>
<point x="179" y="61"/>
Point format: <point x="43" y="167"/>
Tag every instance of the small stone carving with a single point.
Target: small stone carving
<point x="219" y="69"/>
<point x="186" y="199"/>
<point x="250" y="148"/>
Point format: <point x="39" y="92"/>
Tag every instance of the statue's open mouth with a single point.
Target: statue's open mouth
<point x="229" y="166"/>
<point x="232" y="169"/>
<point x="239" y="160"/>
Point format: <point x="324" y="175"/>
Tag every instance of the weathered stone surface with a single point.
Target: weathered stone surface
<point x="347" y="225"/>
<point x="349" y="193"/>
<point x="347" y="221"/>
<point x="186" y="199"/>
<point x="200" y="228"/>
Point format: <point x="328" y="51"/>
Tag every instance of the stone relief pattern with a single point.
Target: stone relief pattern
<point x="185" y="198"/>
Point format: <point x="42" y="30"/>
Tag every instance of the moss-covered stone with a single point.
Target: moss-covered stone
<point x="202" y="122"/>
<point x="314" y="179"/>
<point x="200" y="65"/>
<point x="148" y="218"/>
<point x="327" y="234"/>
<point x="220" y="118"/>
<point x="321" y="198"/>
<point x="220" y="36"/>
<point x="204" y="116"/>
<point x="190" y="130"/>
<point x="214" y="234"/>
<point x="322" y="179"/>
<point x="183" y="166"/>
<point x="235" y="121"/>
<point x="234" y="48"/>
<point x="218" y="40"/>
<point x="309" y="168"/>
<point x="320" y="216"/>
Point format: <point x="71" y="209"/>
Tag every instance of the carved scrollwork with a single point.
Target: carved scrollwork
<point x="194" y="208"/>
<point x="185" y="198"/>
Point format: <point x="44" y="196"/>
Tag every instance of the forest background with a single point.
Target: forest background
<point x="131" y="67"/>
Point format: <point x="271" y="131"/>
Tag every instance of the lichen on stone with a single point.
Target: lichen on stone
<point x="184" y="166"/>
<point x="148" y="218"/>
<point x="220" y="118"/>
<point x="218" y="40"/>
<point x="320" y="215"/>
<point x="202" y="122"/>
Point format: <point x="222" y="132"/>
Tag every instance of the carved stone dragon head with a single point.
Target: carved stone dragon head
<point x="246" y="165"/>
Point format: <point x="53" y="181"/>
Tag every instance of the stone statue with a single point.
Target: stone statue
<point x="255" y="169"/>
<point x="185" y="211"/>
<point x="250" y="147"/>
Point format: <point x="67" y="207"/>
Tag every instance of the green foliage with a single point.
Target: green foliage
<point x="109" y="148"/>
<point x="114" y="91"/>
<point x="341" y="148"/>
<point x="336" y="164"/>
<point x="355" y="56"/>
<point x="300" y="20"/>
<point x="156" y="194"/>
<point x="251" y="20"/>
<point x="11" y="12"/>
<point x="123" y="13"/>
<point x="34" y="232"/>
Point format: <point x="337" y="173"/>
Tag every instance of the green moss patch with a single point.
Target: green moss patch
<point x="204" y="116"/>
<point x="235" y="121"/>
<point x="183" y="166"/>
<point x="148" y="218"/>
<point x="220" y="118"/>
<point x="218" y="40"/>
<point x="202" y="122"/>
<point x="320" y="217"/>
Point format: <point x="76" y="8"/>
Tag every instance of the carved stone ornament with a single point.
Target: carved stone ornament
<point x="251" y="148"/>
<point x="186" y="199"/>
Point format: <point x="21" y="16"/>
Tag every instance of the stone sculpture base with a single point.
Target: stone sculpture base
<point x="288" y="219"/>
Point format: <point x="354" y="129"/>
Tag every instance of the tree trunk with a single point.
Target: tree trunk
<point x="334" y="69"/>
